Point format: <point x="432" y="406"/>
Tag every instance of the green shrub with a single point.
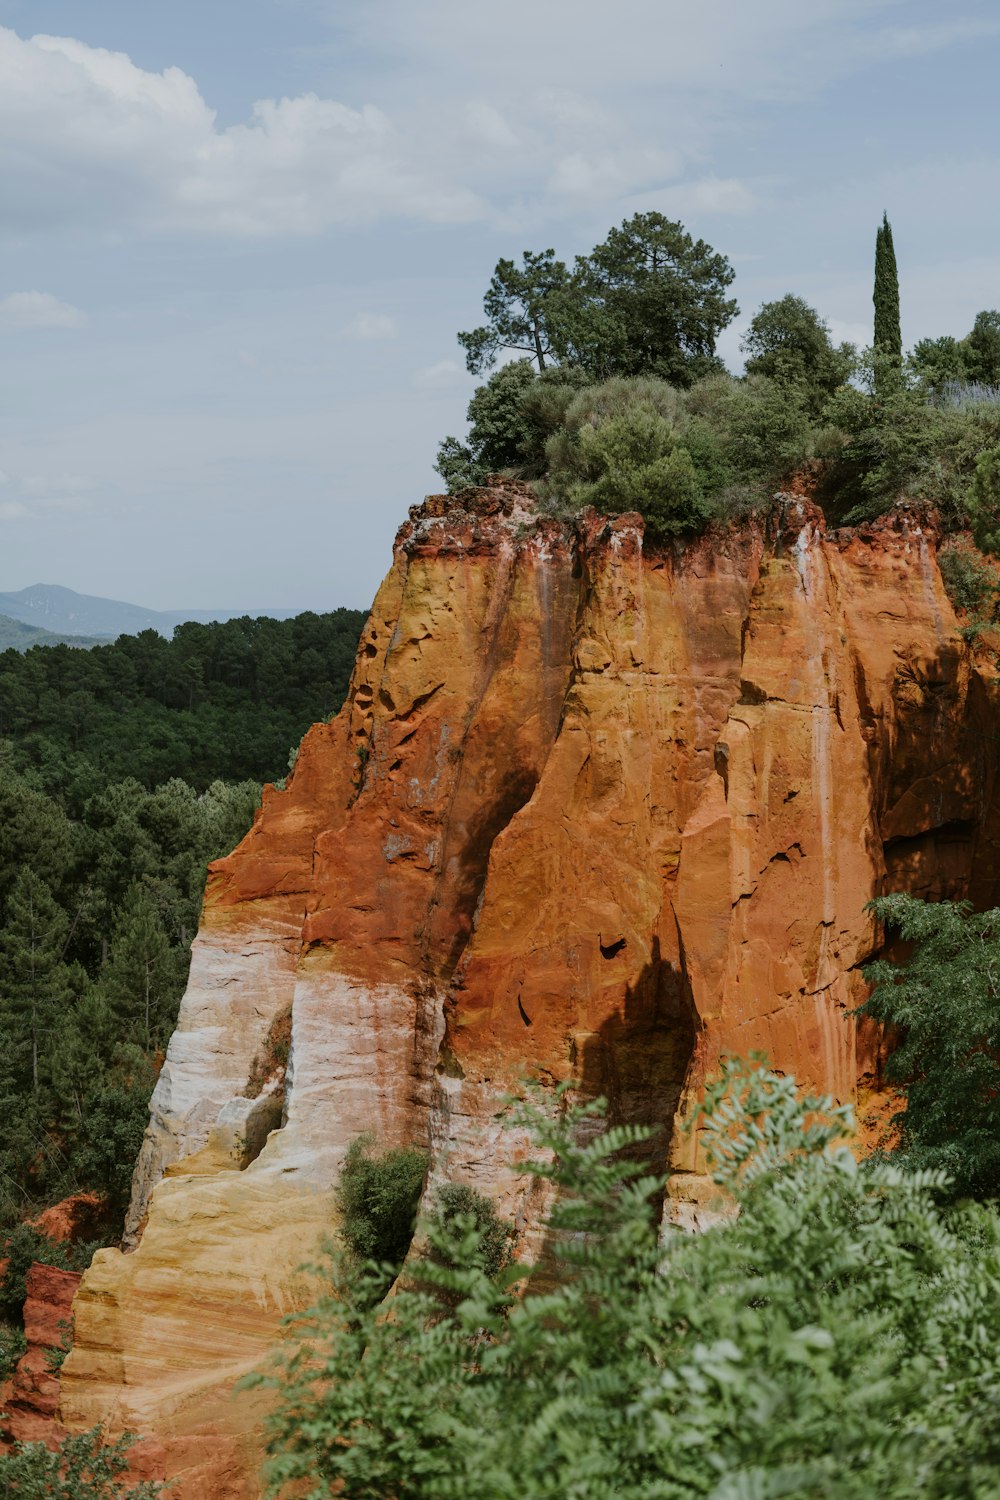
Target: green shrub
<point x="906" y="447"/>
<point x="619" y="449"/>
<point x="984" y="501"/>
<point x="789" y="343"/>
<point x="82" y="1468"/>
<point x="838" y="1338"/>
<point x="510" y="419"/>
<point x="943" y="1001"/>
<point x="12" y="1345"/>
<point x="460" y="1212"/>
<point x="747" y="438"/>
<point x="970" y="581"/>
<point x="24" y="1246"/>
<point x="377" y="1197"/>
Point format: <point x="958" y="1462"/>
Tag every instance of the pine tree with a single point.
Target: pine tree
<point x="139" y="980"/>
<point x="888" y="341"/>
<point x="35" y="983"/>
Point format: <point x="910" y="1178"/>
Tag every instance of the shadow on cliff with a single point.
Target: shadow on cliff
<point x="637" y="1061"/>
<point x="936" y="785"/>
<point x="465" y="864"/>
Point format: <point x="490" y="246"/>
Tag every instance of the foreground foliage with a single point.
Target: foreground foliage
<point x="83" y="1468"/>
<point x="945" y="1003"/>
<point x="838" y="1339"/>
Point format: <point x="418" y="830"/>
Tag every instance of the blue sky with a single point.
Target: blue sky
<point x="238" y="239"/>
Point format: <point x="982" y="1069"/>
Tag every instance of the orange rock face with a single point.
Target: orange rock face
<point x="592" y="811"/>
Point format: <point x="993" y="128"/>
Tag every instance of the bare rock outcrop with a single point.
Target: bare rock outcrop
<point x="30" y="1399"/>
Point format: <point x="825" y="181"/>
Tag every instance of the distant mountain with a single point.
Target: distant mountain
<point x="15" y="633"/>
<point x="50" y="607"/>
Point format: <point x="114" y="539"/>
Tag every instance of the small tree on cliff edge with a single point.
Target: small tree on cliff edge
<point x="888" y="340"/>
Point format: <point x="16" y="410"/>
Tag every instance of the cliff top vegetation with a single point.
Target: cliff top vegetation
<point x="619" y="399"/>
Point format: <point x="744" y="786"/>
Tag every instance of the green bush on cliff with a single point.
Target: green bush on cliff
<point x="945" y="1003"/>
<point x="620" y="448"/>
<point x="23" y="1246"/>
<point x="510" y="420"/>
<point x="377" y="1197"/>
<point x="460" y="1211"/>
<point x="19" y="1250"/>
<point x="971" y="583"/>
<point x="839" y="1338"/>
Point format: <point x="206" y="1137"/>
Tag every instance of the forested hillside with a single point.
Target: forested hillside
<point x="15" y="634"/>
<point x="123" y="770"/>
<point x="222" y="700"/>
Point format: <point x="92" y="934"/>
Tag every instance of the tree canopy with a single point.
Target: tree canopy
<point x="520" y="304"/>
<point x="123" y="771"/>
<point x="648" y="300"/>
<point x="789" y="343"/>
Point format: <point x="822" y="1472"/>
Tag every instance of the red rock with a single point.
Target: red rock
<point x="31" y="1398"/>
<point x="81" y="1216"/>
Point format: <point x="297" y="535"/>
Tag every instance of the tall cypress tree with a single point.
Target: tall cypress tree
<point x="888" y="341"/>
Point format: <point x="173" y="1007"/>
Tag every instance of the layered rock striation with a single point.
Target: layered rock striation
<point x="592" y="811"/>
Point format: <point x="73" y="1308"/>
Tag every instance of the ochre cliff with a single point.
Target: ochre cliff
<point x="592" y="810"/>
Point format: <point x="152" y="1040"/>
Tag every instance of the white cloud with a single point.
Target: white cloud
<point x="40" y="493"/>
<point x="728" y="48"/>
<point x="609" y="174"/>
<point x="37" y="310"/>
<point x="489" y="125"/>
<point x="443" y="375"/>
<point x="87" y="136"/>
<point x="844" y="332"/>
<point x="709" y="195"/>
<point x="917" y="41"/>
<point x="371" y="326"/>
<point x="51" y="489"/>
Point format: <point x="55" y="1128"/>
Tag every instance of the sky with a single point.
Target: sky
<point x="239" y="236"/>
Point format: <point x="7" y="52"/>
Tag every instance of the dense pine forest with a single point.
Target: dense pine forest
<point x="123" y="771"/>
